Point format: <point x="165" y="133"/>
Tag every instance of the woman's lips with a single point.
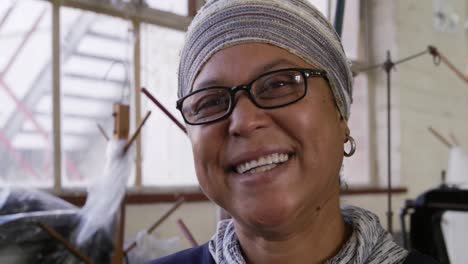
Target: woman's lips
<point x="261" y="176"/>
<point x="262" y="163"/>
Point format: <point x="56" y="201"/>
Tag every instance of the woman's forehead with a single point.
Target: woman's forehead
<point x="245" y="61"/>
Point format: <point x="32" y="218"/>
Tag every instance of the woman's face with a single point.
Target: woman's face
<point x="310" y="133"/>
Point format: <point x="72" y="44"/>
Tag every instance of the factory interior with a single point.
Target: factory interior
<point x="77" y="76"/>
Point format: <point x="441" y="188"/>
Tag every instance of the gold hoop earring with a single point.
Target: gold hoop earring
<point x="352" y="142"/>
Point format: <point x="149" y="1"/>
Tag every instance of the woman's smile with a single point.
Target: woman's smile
<point x="263" y="170"/>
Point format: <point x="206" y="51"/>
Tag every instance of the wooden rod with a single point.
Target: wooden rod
<point x="440" y="137"/>
<point x="159" y="221"/>
<point x="64" y="242"/>
<point x="168" y="114"/>
<point x="137" y="132"/>
<point x="103" y="132"/>
<point x="453" y="68"/>
<point x="118" y="254"/>
<point x="188" y="235"/>
<point x="437" y="55"/>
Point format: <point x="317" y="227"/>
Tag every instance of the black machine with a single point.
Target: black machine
<point x="425" y="220"/>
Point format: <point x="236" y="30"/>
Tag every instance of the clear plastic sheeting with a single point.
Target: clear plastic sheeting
<point x="23" y="241"/>
<point x="149" y="248"/>
<point x="88" y="228"/>
<point x="19" y="200"/>
<point x="455" y="224"/>
<point x="106" y="193"/>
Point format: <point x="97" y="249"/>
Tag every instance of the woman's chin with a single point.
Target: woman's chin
<point x="268" y="218"/>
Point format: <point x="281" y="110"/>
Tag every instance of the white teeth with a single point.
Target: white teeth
<point x="262" y="164"/>
<point x="263" y="168"/>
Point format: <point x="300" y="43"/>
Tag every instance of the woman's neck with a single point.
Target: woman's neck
<point x="314" y="240"/>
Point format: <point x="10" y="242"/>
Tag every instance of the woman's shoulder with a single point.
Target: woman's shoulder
<point x="416" y="257"/>
<point x="196" y="255"/>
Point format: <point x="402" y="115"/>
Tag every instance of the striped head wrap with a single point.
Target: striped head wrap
<point x="294" y="25"/>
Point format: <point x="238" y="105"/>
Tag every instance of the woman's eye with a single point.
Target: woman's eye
<point x="208" y="105"/>
<point x="278" y="84"/>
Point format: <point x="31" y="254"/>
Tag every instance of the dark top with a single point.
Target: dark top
<point x="201" y="255"/>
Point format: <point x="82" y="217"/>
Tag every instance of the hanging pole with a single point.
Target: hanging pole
<point x="339" y="16"/>
<point x="388" y="66"/>
<point x="56" y="121"/>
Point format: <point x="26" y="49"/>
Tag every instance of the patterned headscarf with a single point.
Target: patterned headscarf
<point x="294" y="25"/>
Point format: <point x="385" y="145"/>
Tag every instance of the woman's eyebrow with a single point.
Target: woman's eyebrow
<point x="261" y="69"/>
<point x="271" y="65"/>
<point x="207" y="83"/>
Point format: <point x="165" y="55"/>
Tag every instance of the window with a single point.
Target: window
<point x="96" y="73"/>
<point x="25" y="83"/>
<point x="167" y="155"/>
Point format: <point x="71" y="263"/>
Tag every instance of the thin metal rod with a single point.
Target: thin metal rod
<point x="136" y="88"/>
<point x="411" y="57"/>
<point x="159" y="221"/>
<point x="65" y="243"/>
<point x="388" y="66"/>
<point x="168" y="114"/>
<point x="136" y="133"/>
<point x="56" y="109"/>
<point x="188" y="235"/>
<point x="380" y="65"/>
<point x="7" y="14"/>
<point x="339" y="16"/>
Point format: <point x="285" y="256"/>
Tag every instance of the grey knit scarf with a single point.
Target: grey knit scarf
<point x="293" y="25"/>
<point x="369" y="242"/>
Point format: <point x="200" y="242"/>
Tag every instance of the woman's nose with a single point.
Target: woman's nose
<point x="246" y="117"/>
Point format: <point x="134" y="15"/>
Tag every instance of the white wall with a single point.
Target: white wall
<point x="429" y="95"/>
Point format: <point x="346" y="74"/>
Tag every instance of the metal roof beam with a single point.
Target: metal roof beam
<point x="93" y="78"/>
<point x="105" y="36"/>
<point x="140" y="13"/>
<point x="43" y="82"/>
<point x="99" y="57"/>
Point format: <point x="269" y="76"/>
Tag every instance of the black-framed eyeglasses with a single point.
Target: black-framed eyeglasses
<point x="270" y="90"/>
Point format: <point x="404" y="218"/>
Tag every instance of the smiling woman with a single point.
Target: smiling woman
<point x="265" y="89"/>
